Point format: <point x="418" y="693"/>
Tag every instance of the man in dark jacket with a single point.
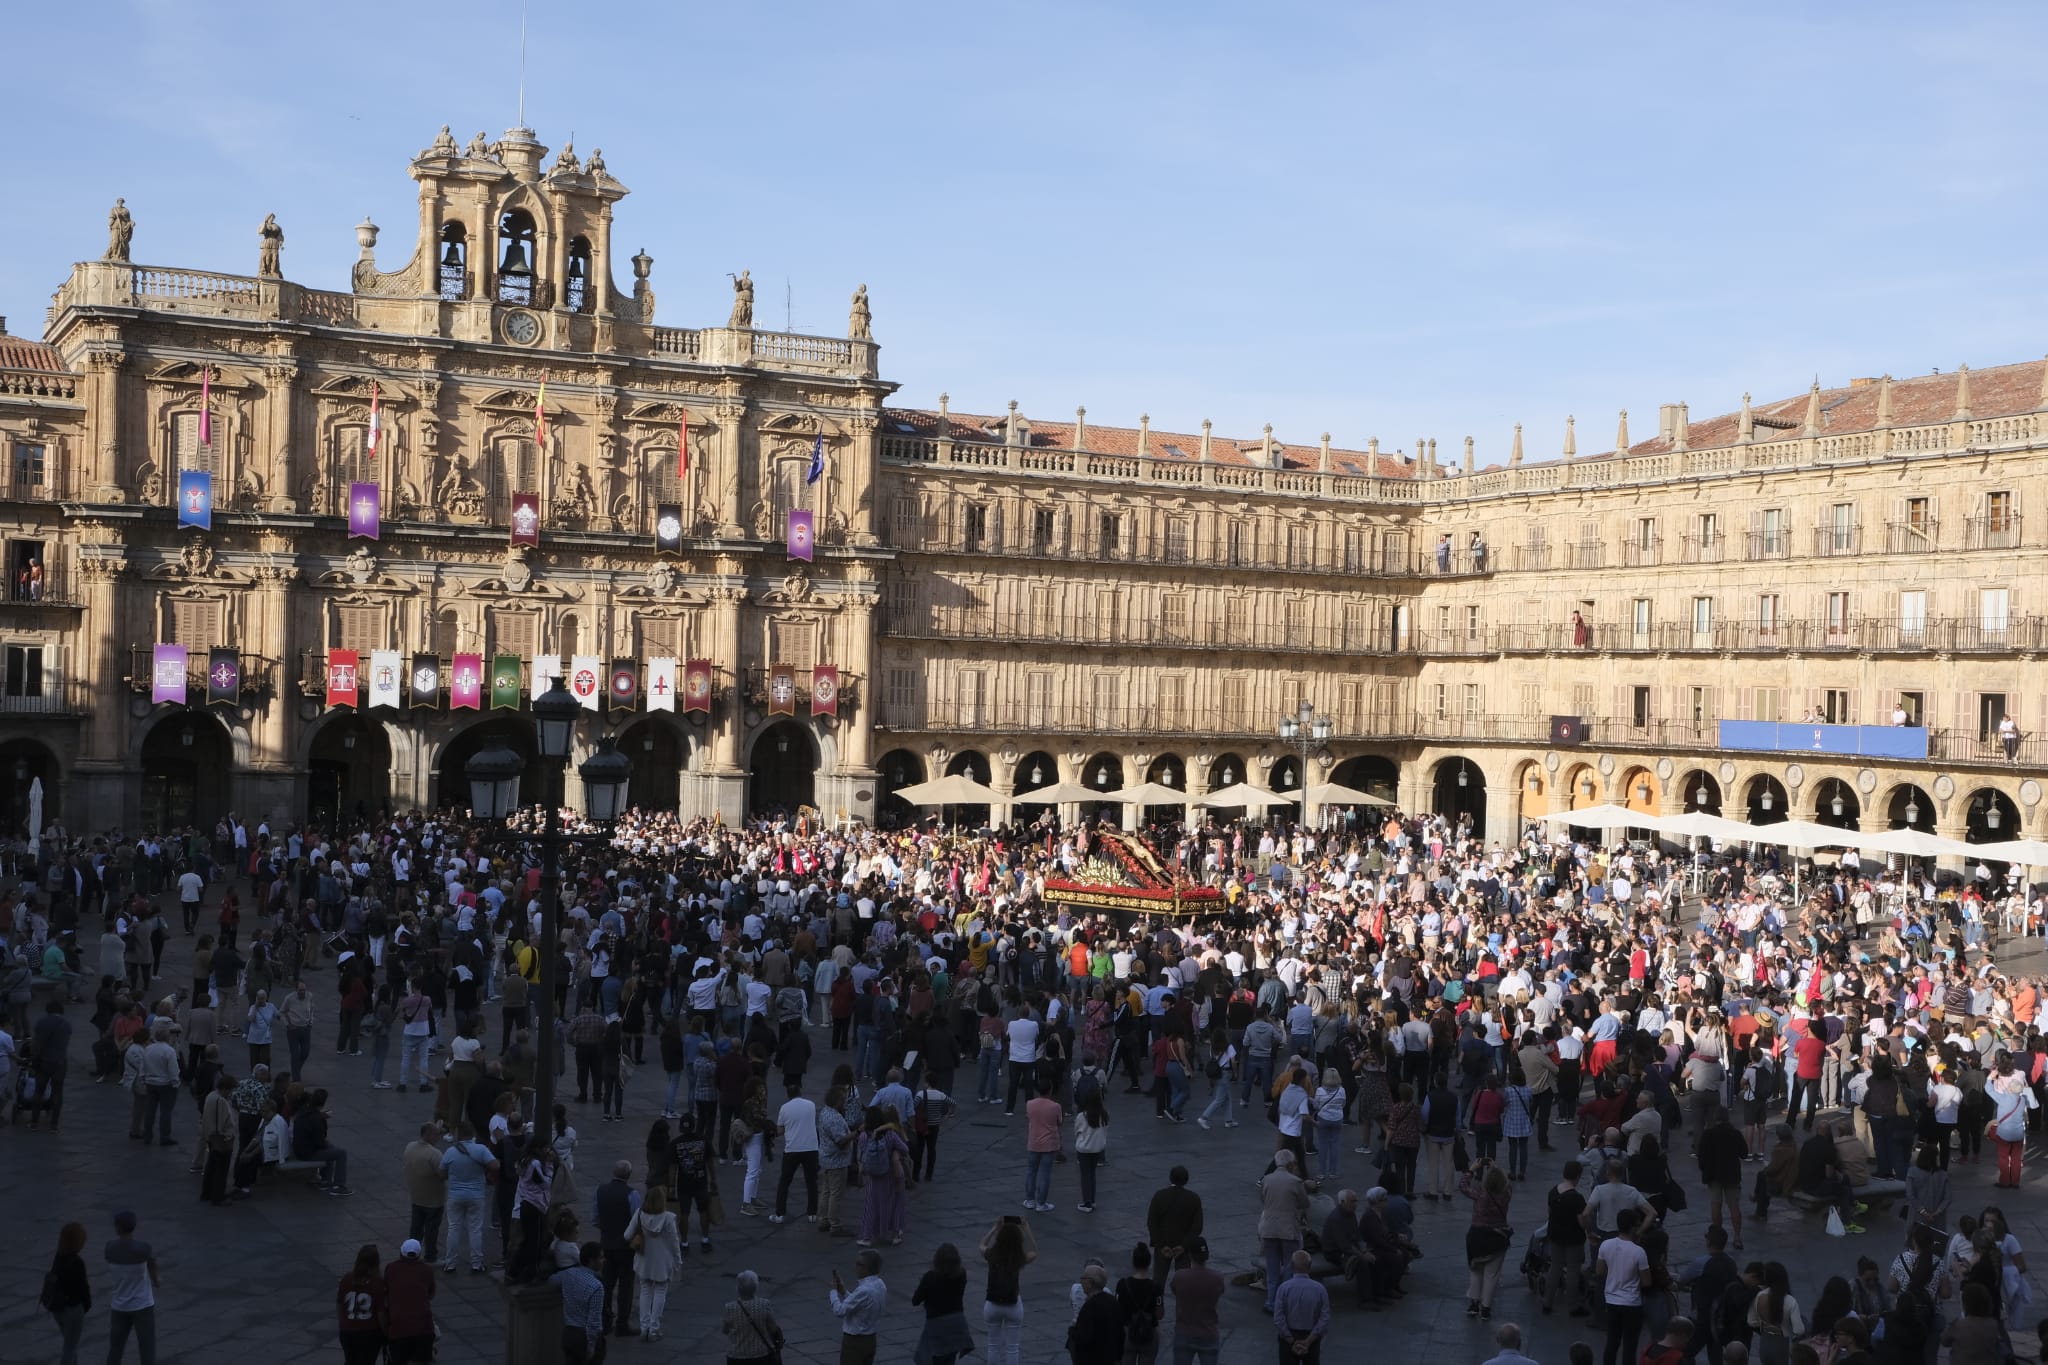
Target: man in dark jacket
<point x="1097" y="1337"/>
<point x="1709" y="1277"/>
<point x="1173" y="1221"/>
<point x="1722" y="1151"/>
<point x="612" y="1208"/>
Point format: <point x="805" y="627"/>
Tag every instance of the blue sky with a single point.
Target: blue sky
<point x="1392" y="220"/>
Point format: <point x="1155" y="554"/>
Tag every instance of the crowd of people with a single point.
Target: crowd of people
<point x="1416" y="1015"/>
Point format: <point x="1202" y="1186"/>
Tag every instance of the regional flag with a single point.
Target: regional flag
<point x="683" y="446"/>
<point x="661" y="684"/>
<point x="586" y="679"/>
<point x="817" y="469"/>
<point x="668" y="528"/>
<point x="376" y="424"/>
<point x="824" y="691"/>
<point x="195" y="498"/>
<point x="526" y="518"/>
<point x="799" y="535"/>
<point x="782" y="690"/>
<point x="697" y="685"/>
<point x="387" y="681"/>
<point x="206" y="405"/>
<point x="167" y="674"/>
<point x="425" y="682"/>
<point x="505" y="682"/>
<point x="540" y="419"/>
<point x="466" y="683"/>
<point x="625" y="685"/>
<point x="223" y="677"/>
<point x="342" y="683"/>
<point x="365" y="510"/>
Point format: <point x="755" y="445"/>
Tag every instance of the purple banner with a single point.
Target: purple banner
<point x="365" y="508"/>
<point x="167" y="674"/>
<point x="800" y="535"/>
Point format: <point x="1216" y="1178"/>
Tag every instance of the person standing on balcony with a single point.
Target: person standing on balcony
<point x="1443" y="553"/>
<point x="1582" y="633"/>
<point x="2009" y="740"/>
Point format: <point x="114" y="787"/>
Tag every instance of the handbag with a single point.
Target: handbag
<point x="774" y="1341"/>
<point x="638" y="1241"/>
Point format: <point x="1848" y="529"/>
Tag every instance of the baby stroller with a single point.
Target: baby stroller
<point x="1536" y="1261"/>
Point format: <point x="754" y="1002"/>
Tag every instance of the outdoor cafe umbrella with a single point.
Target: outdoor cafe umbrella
<point x="1057" y="794"/>
<point x="1242" y="794"/>
<point x="1915" y="843"/>
<point x="1604" y="816"/>
<point x="956" y="789"/>
<point x="1337" y="794"/>
<point x="1148" y="794"/>
<point x="2031" y="852"/>
<point x="1699" y="824"/>
<point x="1804" y="834"/>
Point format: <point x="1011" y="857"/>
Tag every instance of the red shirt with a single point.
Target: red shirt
<point x="409" y="1298"/>
<point x="1810" y="1050"/>
<point x="359" y="1304"/>
<point x="1042" y="1123"/>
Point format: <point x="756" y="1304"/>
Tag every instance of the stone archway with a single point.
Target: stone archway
<point x="658" y="748"/>
<point x="974" y="764"/>
<point x="1458" y="788"/>
<point x="348" y="770"/>
<point x="1702" y="791"/>
<point x="1910" y="807"/>
<point x="1532" y="784"/>
<point x="783" y="772"/>
<point x="1766" y="800"/>
<point x="899" y="768"/>
<point x="186" y="764"/>
<point x="1992" y="817"/>
<point x="1103" y="773"/>
<point x="1835" y="802"/>
<point x="1375" y="773"/>
<point x="22" y="763"/>
<point x="451" y="783"/>
<point x="1641" y="791"/>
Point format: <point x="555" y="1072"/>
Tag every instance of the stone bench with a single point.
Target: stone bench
<point x="1871" y="1192"/>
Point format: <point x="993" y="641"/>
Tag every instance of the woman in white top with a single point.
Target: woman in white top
<point x="657" y="1254"/>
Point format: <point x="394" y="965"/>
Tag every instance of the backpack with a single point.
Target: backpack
<point x="1087" y="1086"/>
<point x="877" y="1160"/>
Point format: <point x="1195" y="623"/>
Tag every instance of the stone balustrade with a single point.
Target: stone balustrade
<point x="37" y="384"/>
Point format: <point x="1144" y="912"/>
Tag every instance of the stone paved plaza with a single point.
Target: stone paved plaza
<point x="259" y="1278"/>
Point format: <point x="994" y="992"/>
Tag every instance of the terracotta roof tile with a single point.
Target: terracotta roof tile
<point x="1107" y="440"/>
<point x="19" y="353"/>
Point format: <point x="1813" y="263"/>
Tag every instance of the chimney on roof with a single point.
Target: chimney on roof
<point x="1010" y="426"/>
<point x="1266" y="448"/>
<point x="1681" y="431"/>
<point x="1468" y="457"/>
<point x="1323" y="460"/>
<point x="1435" y="469"/>
<point x="1515" y="451"/>
<point x="1621" y="434"/>
<point x="1884" y="402"/>
<point x="1745" y="425"/>
<point x="3" y="324"/>
<point x="1144" y="432"/>
<point x="1667" y="420"/>
<point x="1963" y="394"/>
<point x="1812" y="427"/>
<point x="1571" y="438"/>
<point x="1205" y="440"/>
<point x="1080" y="428"/>
<point x="1372" y="450"/>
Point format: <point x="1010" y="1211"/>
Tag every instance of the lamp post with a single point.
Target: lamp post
<point x="1305" y="729"/>
<point x="494" y="775"/>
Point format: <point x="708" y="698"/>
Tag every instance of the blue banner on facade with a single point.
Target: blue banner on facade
<point x="1869" y="741"/>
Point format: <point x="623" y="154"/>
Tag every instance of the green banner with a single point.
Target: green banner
<point x="505" y="682"/>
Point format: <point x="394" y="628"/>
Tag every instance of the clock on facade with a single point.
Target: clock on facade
<point x="521" y="327"/>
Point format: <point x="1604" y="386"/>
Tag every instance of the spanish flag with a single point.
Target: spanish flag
<point x="540" y="418"/>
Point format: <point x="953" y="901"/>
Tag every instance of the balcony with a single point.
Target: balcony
<point x="1086" y="630"/>
<point x="1834" y="540"/>
<point x="1637" y="554"/>
<point x="1587" y="554"/>
<point x="1536" y="556"/>
<point x="1992" y="533"/>
<point x="1710" y="549"/>
<point x="1911" y="537"/>
<point x="259" y="673"/>
<point x="1768" y="545"/>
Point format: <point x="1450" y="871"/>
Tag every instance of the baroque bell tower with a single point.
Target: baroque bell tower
<point x="510" y="250"/>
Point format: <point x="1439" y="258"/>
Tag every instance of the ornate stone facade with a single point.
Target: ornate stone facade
<point x="1024" y="600"/>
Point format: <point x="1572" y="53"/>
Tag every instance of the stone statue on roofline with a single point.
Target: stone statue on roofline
<point x="120" y="231"/>
<point x="860" y="322"/>
<point x="269" y="261"/>
<point x="742" y="301"/>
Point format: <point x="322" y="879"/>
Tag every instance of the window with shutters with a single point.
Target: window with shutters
<point x="514" y="632"/>
<point x="1532" y="699"/>
<point x="1106" y="711"/>
<point x="1838" y="706"/>
<point x="1044" y="530"/>
<point x="1236" y="543"/>
<point x="195" y="625"/>
<point x="361" y="629"/>
<point x="1109" y="613"/>
<point x="1109" y="535"/>
<point x="1173" y="699"/>
<point x="1357" y="626"/>
<point x="1912" y="615"/>
<point x="1354" y="549"/>
<point x="1443" y="621"/>
<point x="1702" y="615"/>
<point x="1990" y="711"/>
<point x="1234" y="709"/>
<point x="1236" y="619"/>
<point x="1179" y="540"/>
<point x="515" y="469"/>
<point x="1296" y="618"/>
<point x="899" y="694"/>
<point x="445" y="632"/>
<point x="24" y="670"/>
<point x="904" y="530"/>
<point x="1292" y="690"/>
<point x="1994" y="614"/>
<point x="973" y="697"/>
<point x="658" y="637"/>
<point x="1351" y="705"/>
<point x="1582" y="699"/>
<point x="1765" y="704"/>
<point x="788" y="490"/>
<point x="1038" y="699"/>
<point x="1472" y="707"/>
<point x="1472" y="628"/>
<point x="974" y="527"/>
<point x="1173" y="617"/>
<point x="1440" y="706"/>
<point x="664" y="484"/>
<point x="1639" y="618"/>
<point x="30" y="469"/>
<point x="901" y="606"/>
<point x="188" y="453"/>
<point x="1041" y="620"/>
<point x="794" y="643"/>
<point x="1838" y="614"/>
<point x="352" y="463"/>
<point x="568" y="635"/>
<point x="1767" y="614"/>
<point x="1300" y="546"/>
<point x="1699" y="708"/>
<point x="1639" y="707"/>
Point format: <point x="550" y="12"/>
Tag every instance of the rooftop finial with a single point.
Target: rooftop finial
<point x="1745" y="425"/>
<point x="1963" y="394"/>
<point x="1468" y="456"/>
<point x="1571" y="437"/>
<point x="1621" y="434"/>
<point x="1884" y="402"/>
<point x="1812" y="427"/>
<point x="1681" y="435"/>
<point x="1515" y="451"/>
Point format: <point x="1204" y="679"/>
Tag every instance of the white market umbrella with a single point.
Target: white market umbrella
<point x="1604" y="816"/>
<point x="1914" y="843"/>
<point x="1148" y="794"/>
<point x="2032" y="852"/>
<point x="1244" y="795"/>
<point x="1699" y="824"/>
<point x="956" y="789"/>
<point x="1803" y="834"/>
<point x="1059" y="794"/>
<point x="35" y="816"/>
<point x="1337" y="794"/>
